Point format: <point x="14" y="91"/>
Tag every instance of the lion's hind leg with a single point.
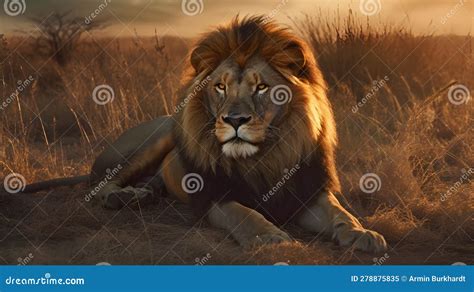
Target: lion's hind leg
<point x="115" y="197"/>
<point x="133" y="184"/>
<point x="127" y="196"/>
<point x="144" y="192"/>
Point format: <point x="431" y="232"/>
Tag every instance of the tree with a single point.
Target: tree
<point x="60" y="34"/>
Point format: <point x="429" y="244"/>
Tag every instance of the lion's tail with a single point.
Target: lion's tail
<point x="57" y="182"/>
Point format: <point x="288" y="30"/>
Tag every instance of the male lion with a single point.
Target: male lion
<point x="251" y="145"/>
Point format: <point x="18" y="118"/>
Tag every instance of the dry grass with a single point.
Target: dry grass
<point x="407" y="132"/>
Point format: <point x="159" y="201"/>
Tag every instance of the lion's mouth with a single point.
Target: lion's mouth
<point x="237" y="140"/>
<point x="237" y="147"/>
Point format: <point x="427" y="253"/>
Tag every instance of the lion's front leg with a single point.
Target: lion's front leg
<point x="328" y="216"/>
<point x="246" y="225"/>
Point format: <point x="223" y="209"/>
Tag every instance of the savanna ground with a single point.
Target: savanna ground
<point x="401" y="112"/>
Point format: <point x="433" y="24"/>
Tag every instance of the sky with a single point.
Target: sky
<point x="188" y="18"/>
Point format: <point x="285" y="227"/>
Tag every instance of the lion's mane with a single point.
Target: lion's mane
<point x="308" y="133"/>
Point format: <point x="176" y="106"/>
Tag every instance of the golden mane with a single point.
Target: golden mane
<point x="308" y="128"/>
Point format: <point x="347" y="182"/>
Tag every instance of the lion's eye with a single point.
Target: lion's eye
<point x="261" y="88"/>
<point x="220" y="87"/>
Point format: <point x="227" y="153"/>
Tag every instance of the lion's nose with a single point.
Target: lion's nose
<point x="236" y="120"/>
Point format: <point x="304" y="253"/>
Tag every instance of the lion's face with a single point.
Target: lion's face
<point x="258" y="100"/>
<point x="242" y="102"/>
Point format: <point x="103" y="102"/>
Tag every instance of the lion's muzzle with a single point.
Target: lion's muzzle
<point x="236" y="119"/>
<point x="233" y="133"/>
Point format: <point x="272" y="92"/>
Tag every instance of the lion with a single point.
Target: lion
<point x="251" y="146"/>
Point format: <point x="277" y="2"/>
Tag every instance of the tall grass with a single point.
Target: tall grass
<point x="405" y="130"/>
<point x="57" y="110"/>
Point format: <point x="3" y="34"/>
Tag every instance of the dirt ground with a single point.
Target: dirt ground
<point x="59" y="227"/>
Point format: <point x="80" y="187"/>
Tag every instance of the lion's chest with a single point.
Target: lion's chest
<point x="279" y="199"/>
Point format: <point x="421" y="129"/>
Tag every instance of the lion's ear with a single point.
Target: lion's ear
<point x="300" y="62"/>
<point x="196" y="59"/>
<point x="201" y="58"/>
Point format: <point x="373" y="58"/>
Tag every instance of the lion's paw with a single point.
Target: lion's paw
<point x="128" y="195"/>
<point x="272" y="237"/>
<point x="362" y="239"/>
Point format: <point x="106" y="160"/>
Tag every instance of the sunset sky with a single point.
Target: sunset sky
<point x="169" y="16"/>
